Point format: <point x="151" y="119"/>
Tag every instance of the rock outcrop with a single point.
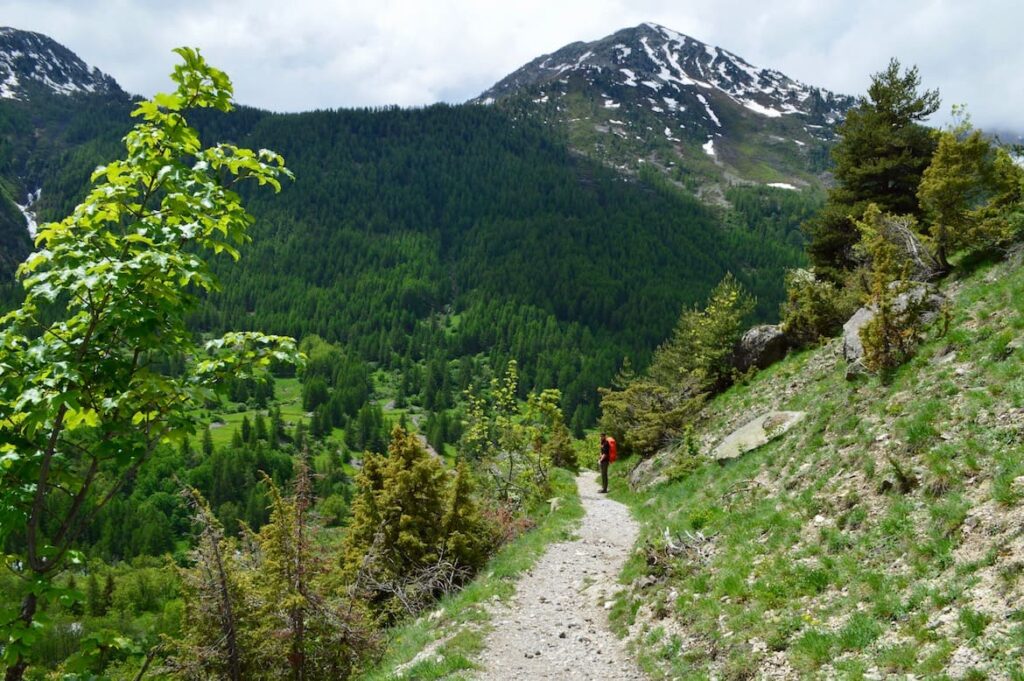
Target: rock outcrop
<point x="755" y="433"/>
<point x="925" y="298"/>
<point x="760" y="347"/>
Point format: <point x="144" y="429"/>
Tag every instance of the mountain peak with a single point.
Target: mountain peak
<point x="32" y="62"/>
<point x="649" y="94"/>
<point x="670" y="63"/>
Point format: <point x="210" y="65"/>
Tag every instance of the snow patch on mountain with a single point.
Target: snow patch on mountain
<point x="763" y="110"/>
<point x="710" y="111"/>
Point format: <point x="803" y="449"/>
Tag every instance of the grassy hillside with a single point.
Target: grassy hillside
<point x="881" y="536"/>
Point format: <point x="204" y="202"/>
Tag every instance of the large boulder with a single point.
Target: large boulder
<point x="920" y="296"/>
<point x="853" y="347"/>
<point x="755" y="433"/>
<point x="760" y="347"/>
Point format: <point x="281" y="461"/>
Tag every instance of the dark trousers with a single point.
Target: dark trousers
<point x="604" y="474"/>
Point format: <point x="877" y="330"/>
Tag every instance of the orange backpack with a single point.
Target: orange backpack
<point x="613" y="449"/>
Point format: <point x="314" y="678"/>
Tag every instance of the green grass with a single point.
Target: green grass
<point x="463" y="622"/>
<point x="287" y="395"/>
<point x="840" y="543"/>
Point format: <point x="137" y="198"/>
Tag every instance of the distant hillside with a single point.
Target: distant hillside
<point x="443" y="231"/>
<point x="649" y="96"/>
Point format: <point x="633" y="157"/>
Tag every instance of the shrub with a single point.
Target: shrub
<point x="517" y="445"/>
<point x="814" y="308"/>
<point x="416" y="532"/>
<point x="894" y="331"/>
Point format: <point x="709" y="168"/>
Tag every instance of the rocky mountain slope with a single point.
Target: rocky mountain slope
<point x="880" y="537"/>
<point x="32" y="61"/>
<point x="648" y="95"/>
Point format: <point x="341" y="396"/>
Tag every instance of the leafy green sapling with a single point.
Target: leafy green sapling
<point x="85" y="399"/>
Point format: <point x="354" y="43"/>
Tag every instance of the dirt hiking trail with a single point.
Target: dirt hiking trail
<point x="556" y="624"/>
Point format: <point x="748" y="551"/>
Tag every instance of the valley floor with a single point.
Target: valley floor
<point x="556" y="625"/>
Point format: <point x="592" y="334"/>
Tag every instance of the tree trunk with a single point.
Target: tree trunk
<point x="227" y="616"/>
<point x="28" y="611"/>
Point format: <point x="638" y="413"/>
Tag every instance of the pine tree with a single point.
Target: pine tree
<point x="93" y="597"/>
<point x="260" y="432"/>
<point x="246" y="430"/>
<point x="965" y="189"/>
<point x="107" y="601"/>
<point x="211" y="630"/>
<point x="692" y="363"/>
<point x="277" y="430"/>
<point x="881" y="156"/>
<point x="75" y="607"/>
<point x="892" y="333"/>
<point x="468" y="537"/>
<point x="207" y="442"/>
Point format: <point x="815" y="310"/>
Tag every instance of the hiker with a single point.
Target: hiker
<point x="606" y="457"/>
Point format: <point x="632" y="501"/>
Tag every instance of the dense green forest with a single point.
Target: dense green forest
<point x="410" y="235"/>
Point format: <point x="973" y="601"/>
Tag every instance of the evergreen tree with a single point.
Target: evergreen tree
<point x="246" y="430"/>
<point x="694" y="362"/>
<point x="966" y="189"/>
<point x="314" y="393"/>
<point x="107" y="600"/>
<point x="277" y="429"/>
<point x="468" y="538"/>
<point x="212" y="644"/>
<point x="207" y="442"/>
<point x="75" y="607"/>
<point x="93" y="597"/>
<point x="891" y="335"/>
<point x="881" y="156"/>
<point x="260" y="432"/>
<point x="396" y="549"/>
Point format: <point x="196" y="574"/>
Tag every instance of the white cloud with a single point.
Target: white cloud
<point x="308" y="54"/>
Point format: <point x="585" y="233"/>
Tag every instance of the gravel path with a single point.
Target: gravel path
<point x="556" y="625"/>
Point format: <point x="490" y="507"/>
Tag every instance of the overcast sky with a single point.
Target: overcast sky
<point x="294" y="55"/>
